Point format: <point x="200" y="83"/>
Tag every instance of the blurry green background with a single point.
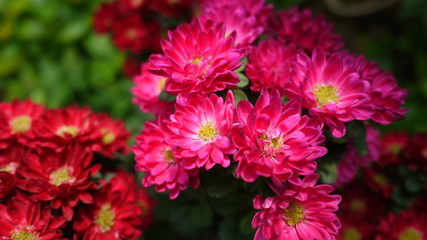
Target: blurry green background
<point x="49" y="52"/>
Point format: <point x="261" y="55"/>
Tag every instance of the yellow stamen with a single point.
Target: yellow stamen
<point x="380" y="179"/>
<point x="20" y="124"/>
<point x="411" y="234"/>
<point x="294" y="214"/>
<point x="105" y="218"/>
<point x="70" y="130"/>
<point x="352" y="234"/>
<point x="197" y="61"/>
<point x="395" y="149"/>
<point x="161" y="84"/>
<point x="23" y="235"/>
<point x="326" y="94"/>
<point x="10" y="168"/>
<point x="59" y="177"/>
<point x="207" y="132"/>
<point x="169" y="156"/>
<point x="108" y="137"/>
<point x="357" y="205"/>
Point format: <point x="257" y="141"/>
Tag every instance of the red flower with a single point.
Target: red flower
<point x="58" y="127"/>
<point x="416" y="151"/>
<point x="105" y="17"/>
<point x="132" y="5"/>
<point x="17" y="121"/>
<point x="274" y="140"/>
<point x="131" y="67"/>
<point x="25" y="219"/>
<point x="331" y="91"/>
<point x="378" y="181"/>
<point x="113" y="215"/>
<point x="114" y="135"/>
<point x="352" y="229"/>
<point x="198" y="58"/>
<point x="130" y="34"/>
<point x="268" y="65"/>
<point x="160" y="161"/>
<point x="172" y="7"/>
<point x="10" y="160"/>
<point x="147" y="90"/>
<point x="200" y="130"/>
<point x="393" y="145"/>
<point x="62" y="178"/>
<point x="299" y="212"/>
<point x="407" y="225"/>
<point x="300" y="29"/>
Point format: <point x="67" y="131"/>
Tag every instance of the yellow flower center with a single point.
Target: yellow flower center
<point x="108" y="137"/>
<point x="276" y="143"/>
<point x="105" y="218"/>
<point x="10" y="168"/>
<point x="169" y="156"/>
<point x="352" y="234"/>
<point x="131" y="34"/>
<point x="294" y="213"/>
<point x="411" y="234"/>
<point x="23" y="235"/>
<point x="207" y="132"/>
<point x="59" y="177"/>
<point x="161" y="84"/>
<point x="197" y="61"/>
<point x="70" y="130"/>
<point x="357" y="205"/>
<point x="326" y="94"/>
<point x="20" y="124"/>
<point x="395" y="149"/>
<point x="380" y="179"/>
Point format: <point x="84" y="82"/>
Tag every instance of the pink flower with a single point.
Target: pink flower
<point x="332" y="91"/>
<point x="198" y="58"/>
<point x="386" y="96"/>
<point x="147" y="90"/>
<point x="274" y="140"/>
<point x="300" y="29"/>
<point x="236" y="19"/>
<point x="200" y="130"/>
<point x="352" y="160"/>
<point x="159" y="161"/>
<point x="268" y="65"/>
<point x="301" y="211"/>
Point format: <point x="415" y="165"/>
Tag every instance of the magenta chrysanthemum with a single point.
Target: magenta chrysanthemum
<point x="268" y="65"/>
<point x="147" y="90"/>
<point x="298" y="28"/>
<point x="301" y="211"/>
<point x="159" y="161"/>
<point x="274" y="140"/>
<point x="200" y="131"/>
<point x="332" y="91"/>
<point x="199" y="58"/>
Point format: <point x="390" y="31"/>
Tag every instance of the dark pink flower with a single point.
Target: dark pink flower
<point x="199" y="58"/>
<point x="301" y="211"/>
<point x="298" y="28"/>
<point x="406" y="225"/>
<point x="160" y="161"/>
<point x="200" y="131"/>
<point x="274" y="140"/>
<point x="332" y="91"/>
<point x="147" y="90"/>
<point x="268" y="65"/>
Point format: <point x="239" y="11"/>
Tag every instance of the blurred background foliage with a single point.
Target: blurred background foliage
<point x="50" y="53"/>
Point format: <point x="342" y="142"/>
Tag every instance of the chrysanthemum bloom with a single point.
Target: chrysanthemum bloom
<point x="386" y="96"/>
<point x="199" y="58"/>
<point x="114" y="135"/>
<point x="331" y="91"/>
<point x="352" y="229"/>
<point x="159" y="161"/>
<point x="105" y="17"/>
<point x="130" y="33"/>
<point x="24" y="219"/>
<point x="236" y="19"/>
<point x="111" y="216"/>
<point x="62" y="178"/>
<point x="17" y="121"/>
<point x="255" y="8"/>
<point x="268" y="65"/>
<point x="147" y="90"/>
<point x="172" y="7"/>
<point x="200" y="131"/>
<point x="58" y="127"/>
<point x="416" y="151"/>
<point x="132" y="5"/>
<point x="300" y="212"/>
<point x="351" y="160"/>
<point x="10" y="160"/>
<point x="274" y="140"/>
<point x="379" y="181"/>
<point x="392" y="148"/>
<point x="300" y="29"/>
<point x="408" y="225"/>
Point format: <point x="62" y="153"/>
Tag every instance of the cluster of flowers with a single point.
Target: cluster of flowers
<point x="136" y="26"/>
<point x="51" y="182"/>
<point x="397" y="182"/>
<point x="308" y="86"/>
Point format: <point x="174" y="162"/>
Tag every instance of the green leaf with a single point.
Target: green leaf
<point x="245" y="225"/>
<point x="243" y="66"/>
<point x="74" y="30"/>
<point x="360" y="139"/>
<point x="328" y="172"/>
<point x="244" y="81"/>
<point x="201" y="214"/>
<point x="239" y="95"/>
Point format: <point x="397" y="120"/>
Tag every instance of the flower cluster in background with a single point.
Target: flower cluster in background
<point x="269" y="95"/>
<point x="59" y="179"/>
